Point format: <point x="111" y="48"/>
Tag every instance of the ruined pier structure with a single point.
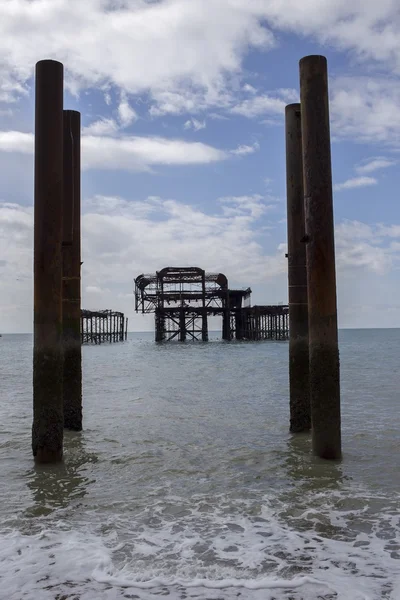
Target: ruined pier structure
<point x="102" y="326"/>
<point x="183" y="298"/>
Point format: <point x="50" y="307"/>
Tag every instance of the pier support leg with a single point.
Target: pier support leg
<point x="226" y="325"/>
<point x="204" y="326"/>
<point x="182" y="325"/>
<point x="72" y="382"/>
<point x="300" y="410"/>
<point x="160" y="326"/>
<point x="48" y="419"/>
<point x="321" y="275"/>
<point x="239" y="317"/>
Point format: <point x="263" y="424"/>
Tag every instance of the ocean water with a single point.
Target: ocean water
<point x="185" y="482"/>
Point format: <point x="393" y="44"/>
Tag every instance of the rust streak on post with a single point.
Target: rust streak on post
<point x="72" y="272"/>
<point x="47" y="429"/>
<point x="321" y="275"/>
<point x="300" y="412"/>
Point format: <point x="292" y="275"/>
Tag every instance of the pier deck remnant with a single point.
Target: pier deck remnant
<point x="183" y="298"/>
<point x="102" y="326"/>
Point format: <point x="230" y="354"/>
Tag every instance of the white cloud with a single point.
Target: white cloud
<point x="181" y="234"/>
<point x="374" y="164"/>
<point x="93" y="289"/>
<point x="127" y="115"/>
<point x="16" y="248"/>
<point x="16" y="141"/>
<point x="110" y="127"/>
<point x="101" y="127"/>
<point x="252" y="207"/>
<point x="141" y="153"/>
<point x="244" y="149"/>
<point x="194" y="124"/>
<point x="186" y="58"/>
<point x="132" y="153"/>
<point x="266" y="104"/>
<point x="175" y="45"/>
<point x="362" y="246"/>
<point x="367" y="28"/>
<point x="365" y="109"/>
<point x="144" y="235"/>
<point x="355" y="182"/>
<point x="122" y="238"/>
<point x="249" y="88"/>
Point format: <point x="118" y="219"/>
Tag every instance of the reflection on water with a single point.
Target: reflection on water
<point x="309" y="471"/>
<point x="57" y="486"/>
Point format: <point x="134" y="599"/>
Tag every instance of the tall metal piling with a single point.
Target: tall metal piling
<point x="72" y="385"/>
<point x="321" y="274"/>
<point x="300" y="410"/>
<point x="48" y="419"/>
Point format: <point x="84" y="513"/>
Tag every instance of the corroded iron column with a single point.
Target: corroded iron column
<point x="72" y="272"/>
<point x="204" y="325"/>
<point x="321" y="275"/>
<point x="182" y="324"/>
<point x="48" y="419"/>
<point x="300" y="411"/>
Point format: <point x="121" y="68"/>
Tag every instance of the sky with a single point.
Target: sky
<point x="183" y="149"/>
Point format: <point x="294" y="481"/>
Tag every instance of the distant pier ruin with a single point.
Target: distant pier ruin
<point x="183" y="298"/>
<point x="102" y="326"/>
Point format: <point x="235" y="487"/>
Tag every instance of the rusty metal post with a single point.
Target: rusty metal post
<point x="321" y="275"/>
<point x="300" y="411"/>
<point x="182" y="324"/>
<point x="204" y="325"/>
<point x="48" y="419"/>
<point x="72" y="385"/>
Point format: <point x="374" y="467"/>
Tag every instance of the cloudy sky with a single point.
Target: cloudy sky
<point x="182" y="106"/>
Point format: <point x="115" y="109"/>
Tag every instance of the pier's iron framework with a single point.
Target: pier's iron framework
<point x="98" y="327"/>
<point x="183" y="298"/>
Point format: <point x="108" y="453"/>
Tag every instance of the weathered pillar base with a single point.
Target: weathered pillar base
<point x="300" y="417"/>
<point x="47" y="428"/>
<point x="73" y="389"/>
<point x="324" y="382"/>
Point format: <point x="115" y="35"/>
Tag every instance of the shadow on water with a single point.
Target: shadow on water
<point x="318" y="487"/>
<point x="55" y="487"/>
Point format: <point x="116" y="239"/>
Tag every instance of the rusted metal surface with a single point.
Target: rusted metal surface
<point x="300" y="410"/>
<point x="48" y="420"/>
<point x="183" y="298"/>
<point x="321" y="275"/>
<point x="72" y="381"/>
<point x="102" y="326"/>
<point x="258" y="323"/>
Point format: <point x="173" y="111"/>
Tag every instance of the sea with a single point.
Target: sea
<point x="185" y="482"/>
